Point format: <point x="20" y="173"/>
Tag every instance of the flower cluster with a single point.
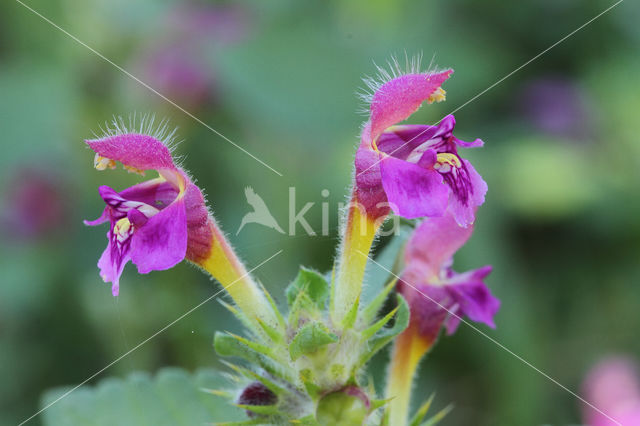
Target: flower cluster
<point x="308" y="366"/>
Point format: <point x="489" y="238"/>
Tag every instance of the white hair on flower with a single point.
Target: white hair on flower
<point x="144" y="124"/>
<point x="394" y="69"/>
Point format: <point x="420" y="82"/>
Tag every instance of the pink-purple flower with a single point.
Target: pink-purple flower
<point x="154" y="224"/>
<point x="34" y="205"/>
<point x="415" y="170"/>
<point x="613" y="387"/>
<point x="180" y="63"/>
<point x="437" y="295"/>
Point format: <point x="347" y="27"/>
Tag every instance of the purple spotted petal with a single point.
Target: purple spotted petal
<point x="400" y="97"/>
<point x="413" y="191"/>
<point x="464" y="203"/>
<point x="162" y="242"/>
<point x="134" y="150"/>
<point x="113" y="260"/>
<point x="434" y="242"/>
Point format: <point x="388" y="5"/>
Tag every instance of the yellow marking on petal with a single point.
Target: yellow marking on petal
<point x="122" y="227"/>
<point x="102" y="163"/>
<point x="448" y="158"/>
<point x="176" y="179"/>
<point x="374" y="145"/>
<point x="133" y="170"/>
<point x="438" y="96"/>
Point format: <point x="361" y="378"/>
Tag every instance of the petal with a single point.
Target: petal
<point x="400" y="97"/>
<point x="434" y="242"/>
<point x="400" y="141"/>
<point x="104" y="217"/>
<point x="612" y="385"/>
<point x="464" y="211"/>
<point x="111" y="264"/>
<point x="156" y="192"/>
<point x="473" y="298"/>
<point x="413" y="191"/>
<point x="162" y="242"/>
<point x="429" y="304"/>
<point x="199" y="225"/>
<point x="120" y="206"/>
<point x="134" y="150"/>
<point x="475" y="144"/>
<point x="368" y="189"/>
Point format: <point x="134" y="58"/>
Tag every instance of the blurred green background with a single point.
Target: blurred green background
<point x="562" y="160"/>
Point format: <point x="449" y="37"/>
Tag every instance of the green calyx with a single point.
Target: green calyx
<point x="314" y="368"/>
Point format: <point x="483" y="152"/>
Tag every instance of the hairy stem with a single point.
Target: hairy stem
<point x="408" y="350"/>
<point x="359" y="232"/>
<point x="223" y="264"/>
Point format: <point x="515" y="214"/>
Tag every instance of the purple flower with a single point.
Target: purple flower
<point x="34" y="205"/>
<point x="557" y="106"/>
<point x="414" y="169"/>
<point x="155" y="224"/>
<point x="179" y="64"/>
<point x="434" y="291"/>
<point x="613" y="386"/>
<point x="181" y="73"/>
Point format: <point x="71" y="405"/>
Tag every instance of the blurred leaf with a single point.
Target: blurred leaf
<point x="36" y="120"/>
<point x="545" y="178"/>
<point x="173" y="397"/>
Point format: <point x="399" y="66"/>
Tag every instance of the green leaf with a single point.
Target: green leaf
<point x="228" y="345"/>
<point x="301" y="306"/>
<point x="377" y="403"/>
<point x="307" y="379"/>
<point x="370" y="312"/>
<point x="439" y="416"/>
<point x="311" y="337"/>
<point x="267" y="410"/>
<point x="309" y="420"/>
<point x="422" y="412"/>
<point x="281" y="322"/>
<point x="369" y="332"/>
<point x="272" y="386"/>
<point x="172" y="397"/>
<point x="241" y="423"/>
<point x="351" y="316"/>
<point x="385" y="335"/>
<point x="310" y="282"/>
<point x="265" y="350"/>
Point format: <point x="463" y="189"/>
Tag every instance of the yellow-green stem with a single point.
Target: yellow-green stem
<point x="224" y="265"/>
<point x="408" y="350"/>
<point x="359" y="232"/>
